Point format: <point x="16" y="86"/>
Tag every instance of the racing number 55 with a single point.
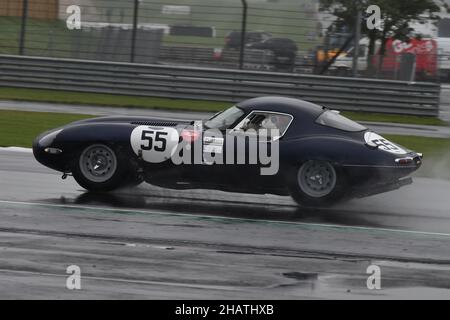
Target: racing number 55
<point x="385" y="144"/>
<point x="150" y="136"/>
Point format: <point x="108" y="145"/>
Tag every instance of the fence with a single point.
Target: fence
<point x="203" y="33"/>
<point x="187" y="26"/>
<point x="218" y="84"/>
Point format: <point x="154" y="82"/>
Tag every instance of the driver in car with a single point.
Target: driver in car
<point x="271" y="122"/>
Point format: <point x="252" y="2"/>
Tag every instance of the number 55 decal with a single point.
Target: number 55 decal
<point x="157" y="144"/>
<point x="160" y="136"/>
<point x="375" y="140"/>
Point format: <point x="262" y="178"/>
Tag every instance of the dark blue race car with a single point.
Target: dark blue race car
<point x="263" y="145"/>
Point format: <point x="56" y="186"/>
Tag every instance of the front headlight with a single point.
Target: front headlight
<point x="48" y="139"/>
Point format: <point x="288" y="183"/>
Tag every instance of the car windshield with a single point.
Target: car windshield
<point x="224" y="119"/>
<point x="333" y="119"/>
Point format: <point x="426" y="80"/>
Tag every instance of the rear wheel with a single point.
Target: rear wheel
<point x="100" y="168"/>
<point x="317" y="183"/>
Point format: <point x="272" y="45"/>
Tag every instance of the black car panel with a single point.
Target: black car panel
<point x="317" y="149"/>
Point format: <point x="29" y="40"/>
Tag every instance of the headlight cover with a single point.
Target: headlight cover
<point x="48" y="139"/>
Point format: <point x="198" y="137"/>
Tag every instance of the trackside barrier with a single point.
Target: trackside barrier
<point x="354" y="94"/>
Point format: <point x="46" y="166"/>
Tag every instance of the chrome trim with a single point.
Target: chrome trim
<point x="53" y="150"/>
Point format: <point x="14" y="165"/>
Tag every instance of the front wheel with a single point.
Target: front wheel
<point x="99" y="168"/>
<point x="317" y="183"/>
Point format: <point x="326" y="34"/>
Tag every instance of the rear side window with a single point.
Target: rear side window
<point x="334" y="120"/>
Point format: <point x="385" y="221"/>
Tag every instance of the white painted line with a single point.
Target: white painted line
<point x="145" y="282"/>
<point x="411" y="265"/>
<point x="16" y="149"/>
<point x="304" y="224"/>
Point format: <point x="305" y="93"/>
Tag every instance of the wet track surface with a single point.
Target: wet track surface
<point x="153" y="243"/>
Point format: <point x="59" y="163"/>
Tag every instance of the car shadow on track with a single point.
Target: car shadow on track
<point x="237" y="209"/>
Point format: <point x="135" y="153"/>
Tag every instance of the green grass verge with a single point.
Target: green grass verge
<point x="19" y="128"/>
<point x="394" y="118"/>
<point x="100" y="99"/>
<point x="431" y="147"/>
<point x="69" y="97"/>
<point x="436" y="152"/>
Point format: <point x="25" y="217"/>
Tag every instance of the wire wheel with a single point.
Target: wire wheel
<point x="316" y="178"/>
<point x="98" y="163"/>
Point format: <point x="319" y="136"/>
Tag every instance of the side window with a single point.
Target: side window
<point x="256" y="121"/>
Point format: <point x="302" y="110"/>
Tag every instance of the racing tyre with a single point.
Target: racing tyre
<point x="99" y="167"/>
<point x="317" y="184"/>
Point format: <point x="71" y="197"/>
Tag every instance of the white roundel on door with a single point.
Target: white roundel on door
<point x="375" y="140"/>
<point x="157" y="143"/>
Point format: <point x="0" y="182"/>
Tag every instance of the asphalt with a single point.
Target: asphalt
<point x="385" y="128"/>
<point x="151" y="243"/>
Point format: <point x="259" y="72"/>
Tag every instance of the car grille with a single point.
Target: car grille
<point x="155" y="123"/>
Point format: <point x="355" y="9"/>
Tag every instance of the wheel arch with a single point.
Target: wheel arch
<point x="116" y="135"/>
